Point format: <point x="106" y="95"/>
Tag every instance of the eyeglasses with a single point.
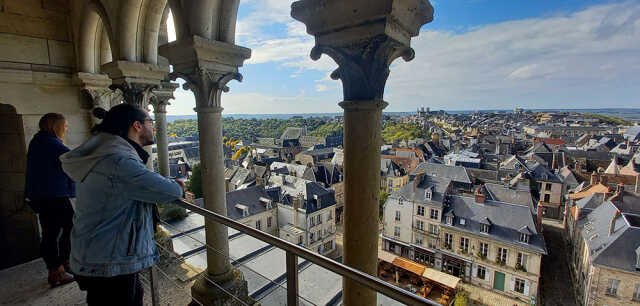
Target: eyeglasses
<point x="150" y="120"/>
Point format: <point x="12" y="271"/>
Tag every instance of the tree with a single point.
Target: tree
<point x="195" y="183"/>
<point x="383" y="198"/>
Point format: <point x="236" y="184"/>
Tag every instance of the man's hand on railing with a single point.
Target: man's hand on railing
<point x="184" y="187"/>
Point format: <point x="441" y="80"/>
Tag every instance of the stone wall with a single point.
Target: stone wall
<point x="37" y="64"/>
<point x="628" y="283"/>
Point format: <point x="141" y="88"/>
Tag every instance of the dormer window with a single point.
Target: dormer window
<point x="400" y="201"/>
<point x="449" y="220"/>
<point x="524" y="238"/>
<point x="484" y="228"/>
<point x="428" y="193"/>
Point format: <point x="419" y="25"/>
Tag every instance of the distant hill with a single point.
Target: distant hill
<point x="632" y="114"/>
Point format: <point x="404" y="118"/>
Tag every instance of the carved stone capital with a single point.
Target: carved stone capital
<point x="363" y="38"/>
<point x="161" y="95"/>
<point x="207" y="86"/>
<point x="363" y="66"/>
<point x="96" y="86"/>
<point x="135" y="93"/>
<point x="206" y="66"/>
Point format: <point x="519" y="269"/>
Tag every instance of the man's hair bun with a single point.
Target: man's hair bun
<point x="99" y="112"/>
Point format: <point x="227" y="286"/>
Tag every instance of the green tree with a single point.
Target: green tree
<point x="382" y="198"/>
<point x="195" y="183"/>
<point x="461" y="299"/>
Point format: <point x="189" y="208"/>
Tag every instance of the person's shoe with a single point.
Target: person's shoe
<point x="58" y="277"/>
<point x="67" y="267"/>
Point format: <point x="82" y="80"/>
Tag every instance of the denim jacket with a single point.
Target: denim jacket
<point x="113" y="227"/>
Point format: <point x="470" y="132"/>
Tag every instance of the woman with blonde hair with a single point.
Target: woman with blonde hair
<point x="48" y="189"/>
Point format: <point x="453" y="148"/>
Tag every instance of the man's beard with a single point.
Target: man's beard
<point x="147" y="139"/>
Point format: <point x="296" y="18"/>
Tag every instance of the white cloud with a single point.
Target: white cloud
<point x="532" y="62"/>
<point x="321" y="87"/>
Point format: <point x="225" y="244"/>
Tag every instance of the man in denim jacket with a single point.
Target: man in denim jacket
<point x="112" y="237"/>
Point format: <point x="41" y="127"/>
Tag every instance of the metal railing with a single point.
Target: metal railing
<point x="294" y="251"/>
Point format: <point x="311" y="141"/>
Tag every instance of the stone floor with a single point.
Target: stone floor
<point x="26" y="284"/>
<point x="555" y="283"/>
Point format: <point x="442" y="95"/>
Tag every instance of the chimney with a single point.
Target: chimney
<point x="417" y="180"/>
<point x="612" y="225"/>
<point x="480" y="194"/>
<point x="296" y="205"/>
<point x="594" y="178"/>
<point x="539" y="217"/>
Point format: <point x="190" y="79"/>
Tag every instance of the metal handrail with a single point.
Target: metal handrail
<point x="293" y="251"/>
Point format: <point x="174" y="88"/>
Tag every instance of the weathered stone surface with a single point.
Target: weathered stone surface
<point x="52" y="27"/>
<point x="364" y="40"/>
<point x="16" y="48"/>
<point x="61" y="53"/>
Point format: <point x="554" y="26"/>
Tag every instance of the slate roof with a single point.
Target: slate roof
<point x="455" y="173"/>
<point x="616" y="250"/>
<point x="632" y="133"/>
<point x="249" y="197"/>
<point x="291" y="133"/>
<point x="390" y="168"/>
<point x="507" y="221"/>
<point x="438" y="186"/>
<point x="510" y="195"/>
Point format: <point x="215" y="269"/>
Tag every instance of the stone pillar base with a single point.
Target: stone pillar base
<point x="209" y="294"/>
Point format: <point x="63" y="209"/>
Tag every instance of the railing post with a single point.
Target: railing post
<point x="155" y="294"/>
<point x="292" y="279"/>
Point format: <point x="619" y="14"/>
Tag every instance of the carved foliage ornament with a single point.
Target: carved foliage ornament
<point x="135" y="94"/>
<point x="207" y="86"/>
<point x="363" y="66"/>
<point x="104" y="97"/>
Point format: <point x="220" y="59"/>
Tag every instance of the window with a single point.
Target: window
<point x="420" y="225"/>
<point x="519" y="285"/>
<point x="300" y="239"/>
<point x="397" y="215"/>
<point x="269" y="219"/>
<point x="450" y="220"/>
<point x="329" y="216"/>
<point x="464" y="244"/>
<point x="258" y="225"/>
<point x="636" y="293"/>
<point x="420" y="210"/>
<point x="448" y="239"/>
<point x="396" y="231"/>
<point x="522" y="260"/>
<point x="502" y="254"/>
<point x="311" y="238"/>
<point x="433" y="244"/>
<point x="547" y="198"/>
<point x="548" y="186"/>
<point x="484" y="228"/>
<point x="312" y="221"/>
<point x="319" y="219"/>
<point x="524" y="237"/>
<point x="482" y="272"/>
<point x="400" y="202"/>
<point x="427" y="194"/>
<point x="434" y="214"/>
<point x="612" y="287"/>
<point x="418" y="240"/>
<point x="433" y="229"/>
<point x="484" y="249"/>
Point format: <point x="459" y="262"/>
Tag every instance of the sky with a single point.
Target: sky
<point x="474" y="55"/>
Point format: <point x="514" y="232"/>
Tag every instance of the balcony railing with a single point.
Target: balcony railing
<point x="292" y="252"/>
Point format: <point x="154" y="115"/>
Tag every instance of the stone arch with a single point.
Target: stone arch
<point x="96" y="37"/>
<point x="215" y="20"/>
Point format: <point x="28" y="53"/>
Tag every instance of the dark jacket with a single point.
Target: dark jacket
<point x="45" y="178"/>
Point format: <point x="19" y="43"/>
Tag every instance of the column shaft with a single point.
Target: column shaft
<point x="212" y="165"/>
<point x="362" y="140"/>
<point x="162" y="146"/>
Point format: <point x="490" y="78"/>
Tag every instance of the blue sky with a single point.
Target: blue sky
<point x="476" y="54"/>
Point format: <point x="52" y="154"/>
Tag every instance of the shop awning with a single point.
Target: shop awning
<point x="441" y="278"/>
<point x="409" y="265"/>
<point x="386" y="256"/>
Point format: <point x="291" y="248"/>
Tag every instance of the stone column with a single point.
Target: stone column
<point x="135" y="81"/>
<point x="207" y="66"/>
<point x="363" y="42"/>
<point x="160" y="100"/>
